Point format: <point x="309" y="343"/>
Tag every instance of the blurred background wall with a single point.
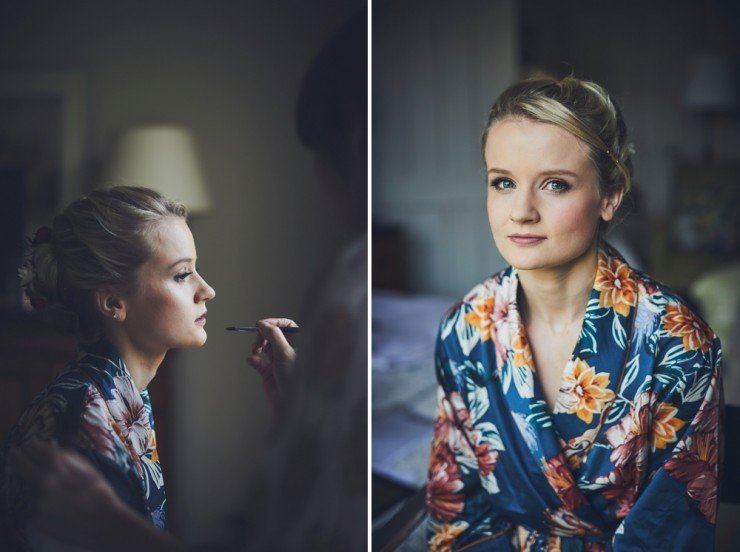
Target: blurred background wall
<point x="229" y="71"/>
<point x="435" y="71"/>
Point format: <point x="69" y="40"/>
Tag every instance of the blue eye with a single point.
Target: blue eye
<point x="182" y="276"/>
<point x="558" y="186"/>
<point x="502" y="184"/>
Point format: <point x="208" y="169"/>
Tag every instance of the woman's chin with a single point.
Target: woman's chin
<point x="526" y="260"/>
<point x="196" y="342"/>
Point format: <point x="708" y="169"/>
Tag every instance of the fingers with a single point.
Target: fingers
<point x="281" y="322"/>
<point x="270" y="330"/>
<point x="256" y="362"/>
<point x="272" y="352"/>
<point x="259" y="344"/>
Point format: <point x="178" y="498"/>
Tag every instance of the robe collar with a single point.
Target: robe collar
<point x="130" y="410"/>
<point x="560" y="440"/>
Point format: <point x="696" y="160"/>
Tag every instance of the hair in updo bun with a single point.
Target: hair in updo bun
<point x="98" y="241"/>
<point x="584" y="109"/>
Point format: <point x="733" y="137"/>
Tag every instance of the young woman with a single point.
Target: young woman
<point x="578" y="398"/>
<point x="118" y="267"/>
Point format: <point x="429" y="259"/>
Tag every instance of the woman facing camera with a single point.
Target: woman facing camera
<point x="118" y="268"/>
<point x="578" y="398"/>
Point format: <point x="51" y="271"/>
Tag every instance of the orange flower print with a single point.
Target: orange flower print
<point x="621" y="485"/>
<point x="629" y="437"/>
<point x="585" y="392"/>
<point x="152" y="446"/>
<point x="446" y="431"/>
<point x="697" y="468"/>
<point x="480" y="317"/>
<point x="561" y="479"/>
<point x="522" y="352"/>
<point x="443" y="497"/>
<point x="576" y="448"/>
<point x="565" y="523"/>
<point x="665" y="425"/>
<point x="554" y="544"/>
<point x="444" y="421"/>
<point x="487" y="458"/>
<point x="679" y="321"/>
<point x="615" y="281"/>
<point x="445" y="535"/>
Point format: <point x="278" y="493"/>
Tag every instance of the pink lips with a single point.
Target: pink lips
<point x="201" y="321"/>
<point x="526" y="239"/>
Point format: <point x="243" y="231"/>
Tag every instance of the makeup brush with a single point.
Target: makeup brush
<point x="256" y="329"/>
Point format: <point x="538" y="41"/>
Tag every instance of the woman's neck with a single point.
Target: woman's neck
<point x="141" y="365"/>
<point x="557" y="297"/>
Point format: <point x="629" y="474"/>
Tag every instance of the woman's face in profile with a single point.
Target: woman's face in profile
<point x="544" y="205"/>
<point x="167" y="308"/>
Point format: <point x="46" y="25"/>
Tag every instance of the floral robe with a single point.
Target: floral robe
<point x="628" y="458"/>
<point x="94" y="407"/>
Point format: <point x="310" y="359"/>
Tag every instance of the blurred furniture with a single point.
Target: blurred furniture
<point x="711" y="90"/>
<point x="396" y="533"/>
<point x="389" y="270"/>
<point x="717" y="294"/>
<point x="702" y="231"/>
<point x="404" y="328"/>
<point x="31" y="355"/>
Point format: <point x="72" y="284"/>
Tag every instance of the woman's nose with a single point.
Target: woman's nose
<point x="205" y="292"/>
<point x="523" y="208"/>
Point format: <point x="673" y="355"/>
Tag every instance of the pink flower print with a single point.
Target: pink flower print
<point x="130" y="417"/>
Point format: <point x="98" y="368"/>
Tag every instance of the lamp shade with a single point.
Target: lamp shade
<point x="712" y="84"/>
<point x="163" y="158"/>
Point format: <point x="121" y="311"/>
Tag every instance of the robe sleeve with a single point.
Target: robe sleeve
<point x="676" y="508"/>
<point x="460" y="512"/>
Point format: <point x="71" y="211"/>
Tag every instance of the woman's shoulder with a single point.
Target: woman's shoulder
<point x="55" y="411"/>
<point x="671" y="319"/>
<point x="658" y="305"/>
<point x="484" y="295"/>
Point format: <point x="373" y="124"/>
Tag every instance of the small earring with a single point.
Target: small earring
<point x="115" y="315"/>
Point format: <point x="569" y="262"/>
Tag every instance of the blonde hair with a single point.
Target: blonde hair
<point x="580" y="107"/>
<point x="98" y="241"/>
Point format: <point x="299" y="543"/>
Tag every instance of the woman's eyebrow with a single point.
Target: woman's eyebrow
<point x="549" y="171"/>
<point x="495" y="170"/>
<point x="177" y="262"/>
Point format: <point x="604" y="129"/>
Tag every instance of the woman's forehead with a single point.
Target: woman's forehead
<point x="171" y="241"/>
<point x="520" y="140"/>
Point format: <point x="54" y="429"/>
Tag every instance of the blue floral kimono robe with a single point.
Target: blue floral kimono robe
<point x="627" y="459"/>
<point x="94" y="407"/>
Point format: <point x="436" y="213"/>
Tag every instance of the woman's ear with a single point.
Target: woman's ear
<point x="110" y="304"/>
<point x="610" y="204"/>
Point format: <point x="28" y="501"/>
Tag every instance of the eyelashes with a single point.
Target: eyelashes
<point x="502" y="184"/>
<point x="556" y="185"/>
<point x="559" y="186"/>
<point x="182" y="276"/>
